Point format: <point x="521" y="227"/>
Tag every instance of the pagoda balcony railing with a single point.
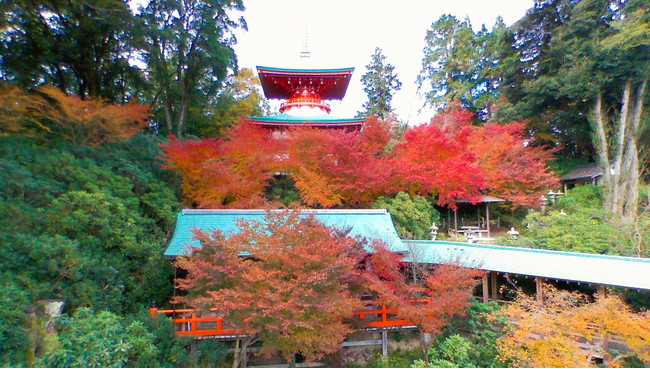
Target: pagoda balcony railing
<point x="305" y="101"/>
<point x="209" y="324"/>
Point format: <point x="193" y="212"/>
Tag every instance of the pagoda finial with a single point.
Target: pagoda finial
<point x="305" y="47"/>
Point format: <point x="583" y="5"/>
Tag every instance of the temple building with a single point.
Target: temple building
<point x="304" y="93"/>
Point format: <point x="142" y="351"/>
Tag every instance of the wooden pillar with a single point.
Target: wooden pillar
<point x="602" y="292"/>
<point x="487" y="217"/>
<point x="456" y="222"/>
<point x="448" y="220"/>
<point x="486" y="292"/>
<point x="494" y="285"/>
<point x="539" y="290"/>
<point x="384" y="344"/>
<point x="478" y="216"/>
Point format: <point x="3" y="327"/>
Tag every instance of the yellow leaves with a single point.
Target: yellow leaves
<point x="567" y="330"/>
<point x="316" y="188"/>
<point x="16" y="107"/>
<point x="52" y="111"/>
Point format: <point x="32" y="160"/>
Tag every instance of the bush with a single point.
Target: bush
<point x="412" y="215"/>
<point x="581" y="197"/>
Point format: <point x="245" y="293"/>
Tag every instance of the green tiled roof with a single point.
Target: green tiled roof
<point x="609" y="270"/>
<point x="371" y="223"/>
<point x="287" y="118"/>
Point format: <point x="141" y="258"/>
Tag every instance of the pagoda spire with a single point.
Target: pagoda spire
<point x="305" y="53"/>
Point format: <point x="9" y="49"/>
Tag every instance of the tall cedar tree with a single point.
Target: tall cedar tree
<point x="461" y="65"/>
<point x="442" y="291"/>
<point x="379" y="83"/>
<point x="290" y="293"/>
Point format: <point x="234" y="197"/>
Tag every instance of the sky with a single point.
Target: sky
<point x="345" y="33"/>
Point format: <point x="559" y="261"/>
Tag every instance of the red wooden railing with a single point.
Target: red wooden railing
<point x="372" y="315"/>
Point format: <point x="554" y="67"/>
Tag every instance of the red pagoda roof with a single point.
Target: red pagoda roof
<point x="328" y="84"/>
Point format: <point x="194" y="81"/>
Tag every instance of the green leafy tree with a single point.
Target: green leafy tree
<point x="456" y="348"/>
<point x="81" y="47"/>
<point x="189" y="54"/>
<point x="525" y="53"/>
<point x="583" y="73"/>
<point x="579" y="222"/>
<point x="379" y="83"/>
<point x="14" y="335"/>
<point x="412" y="215"/>
<point x="461" y="65"/>
<point x="584" y="230"/>
<point x="588" y="196"/>
<point x="241" y="97"/>
<point x="86" y="224"/>
<point x="100" y="339"/>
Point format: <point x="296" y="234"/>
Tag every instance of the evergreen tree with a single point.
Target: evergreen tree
<point x="380" y="82"/>
<point x="461" y="65"/>
<point x="81" y="47"/>
<point x="189" y="54"/>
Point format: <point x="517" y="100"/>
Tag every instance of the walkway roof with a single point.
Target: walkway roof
<point x="609" y="270"/>
<point x="371" y="223"/>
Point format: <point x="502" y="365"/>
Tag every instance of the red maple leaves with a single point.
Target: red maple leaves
<point x="447" y="158"/>
<point x="293" y="290"/>
<point x="513" y="168"/>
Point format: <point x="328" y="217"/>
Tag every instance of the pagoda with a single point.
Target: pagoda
<point x="304" y="93"/>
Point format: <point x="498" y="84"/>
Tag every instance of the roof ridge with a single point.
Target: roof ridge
<point x="263" y="211"/>
<point x="531" y="250"/>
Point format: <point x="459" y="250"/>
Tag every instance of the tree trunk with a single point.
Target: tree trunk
<point x="240" y="356"/>
<point x="622" y="187"/>
<point x="423" y="346"/>
<point x="602" y="148"/>
<point x="618" y="194"/>
<point x="632" y="155"/>
<point x="182" y="115"/>
<point x="235" y="359"/>
<point x="167" y="107"/>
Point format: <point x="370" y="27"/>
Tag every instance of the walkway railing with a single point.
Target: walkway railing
<point x="188" y="322"/>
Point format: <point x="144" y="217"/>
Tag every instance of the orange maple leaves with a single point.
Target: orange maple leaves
<point x="293" y="290"/>
<point x="83" y="122"/>
<point x="447" y="158"/>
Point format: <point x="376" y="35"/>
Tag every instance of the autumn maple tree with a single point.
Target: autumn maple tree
<point x="228" y="172"/>
<point x="513" y="168"/>
<point x="83" y="122"/>
<point x="335" y="167"/>
<point x="448" y="159"/>
<point x="285" y="281"/>
<point x="438" y="293"/>
<point x="567" y="330"/>
<point x="433" y="160"/>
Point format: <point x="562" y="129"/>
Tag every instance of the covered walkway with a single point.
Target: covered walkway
<point x="608" y="270"/>
<point x="600" y="270"/>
